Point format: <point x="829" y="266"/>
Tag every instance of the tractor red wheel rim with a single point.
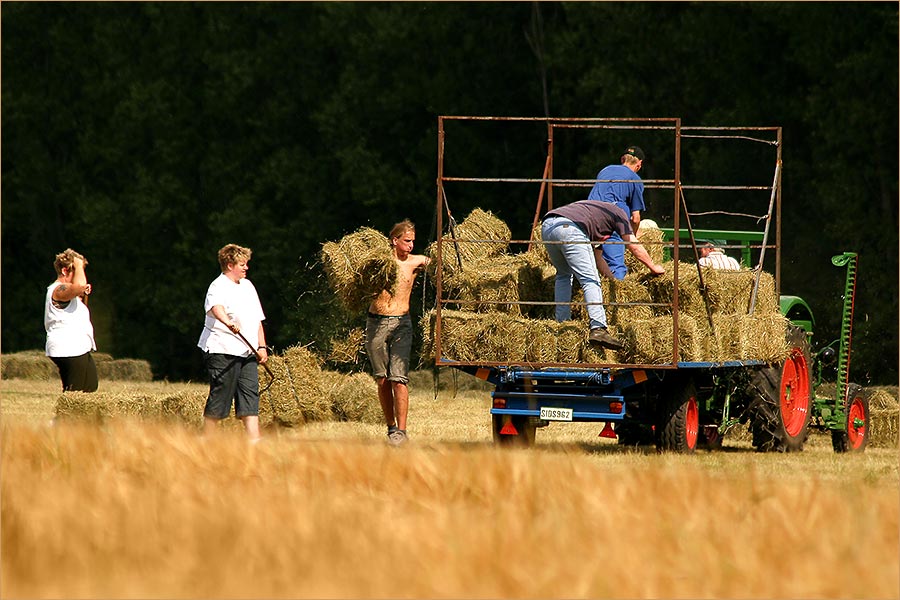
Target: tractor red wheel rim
<point x="795" y="393"/>
<point x="692" y="423"/>
<point x="856" y="435"/>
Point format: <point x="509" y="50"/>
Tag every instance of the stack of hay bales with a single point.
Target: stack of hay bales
<point x="35" y="365"/>
<point x="304" y="392"/>
<point x="359" y="267"/>
<point x="488" y="325"/>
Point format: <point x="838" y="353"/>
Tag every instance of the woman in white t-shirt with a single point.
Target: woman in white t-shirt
<point x="233" y="311"/>
<point x="67" y="320"/>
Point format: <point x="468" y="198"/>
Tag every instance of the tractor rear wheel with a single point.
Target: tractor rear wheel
<point x="679" y="425"/>
<point x="782" y="408"/>
<point x="854" y="437"/>
<point x="525" y="428"/>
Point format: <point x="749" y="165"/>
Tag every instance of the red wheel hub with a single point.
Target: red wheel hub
<point x="692" y="422"/>
<point x="795" y="392"/>
<point x="857" y="413"/>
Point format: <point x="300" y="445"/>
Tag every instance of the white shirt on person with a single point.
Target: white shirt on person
<point x="242" y="305"/>
<point x="68" y="325"/>
<point x="719" y="260"/>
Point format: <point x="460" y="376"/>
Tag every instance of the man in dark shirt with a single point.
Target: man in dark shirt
<point x="572" y="229"/>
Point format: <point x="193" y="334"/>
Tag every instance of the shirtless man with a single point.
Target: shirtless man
<point x="389" y="333"/>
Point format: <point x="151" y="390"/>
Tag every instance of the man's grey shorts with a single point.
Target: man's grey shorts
<point x="388" y="343"/>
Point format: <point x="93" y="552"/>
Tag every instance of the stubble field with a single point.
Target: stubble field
<point x="141" y="510"/>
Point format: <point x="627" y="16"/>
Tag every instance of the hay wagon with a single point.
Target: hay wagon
<point x="705" y="351"/>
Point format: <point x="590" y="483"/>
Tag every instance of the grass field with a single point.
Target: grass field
<point x="328" y="510"/>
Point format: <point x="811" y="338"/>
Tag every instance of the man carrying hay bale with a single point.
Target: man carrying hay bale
<point x="389" y="333"/>
<point x="573" y="227"/>
<point x="710" y="256"/>
<point x="622" y="186"/>
<point x="233" y="311"/>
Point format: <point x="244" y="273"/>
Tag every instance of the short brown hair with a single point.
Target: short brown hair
<point x="66" y="260"/>
<point x="232" y="254"/>
<point x="402" y="227"/>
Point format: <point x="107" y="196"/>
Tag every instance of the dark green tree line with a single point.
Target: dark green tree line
<point x="147" y="135"/>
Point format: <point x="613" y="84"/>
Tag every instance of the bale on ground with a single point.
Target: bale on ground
<point x="884" y="427"/>
<point x="346" y="348"/>
<point x="98" y="407"/>
<point x="124" y="369"/>
<point x="359" y="267"/>
<point x="28" y="364"/>
<point x="304" y="370"/>
<point x="353" y="397"/>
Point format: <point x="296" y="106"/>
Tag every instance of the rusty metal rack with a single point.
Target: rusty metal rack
<point x="682" y="233"/>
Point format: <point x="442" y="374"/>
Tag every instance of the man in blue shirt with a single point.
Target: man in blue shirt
<point x="621" y="185"/>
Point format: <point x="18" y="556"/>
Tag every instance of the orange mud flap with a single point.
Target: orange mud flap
<point x="608" y="431"/>
<point x="508" y="427"/>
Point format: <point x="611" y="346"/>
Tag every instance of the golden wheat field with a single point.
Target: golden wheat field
<point x="134" y="509"/>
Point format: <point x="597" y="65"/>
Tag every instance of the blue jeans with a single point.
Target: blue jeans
<point x="614" y="254"/>
<point x="573" y="259"/>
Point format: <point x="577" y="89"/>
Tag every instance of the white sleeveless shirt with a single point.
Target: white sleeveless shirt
<point x="69" y="328"/>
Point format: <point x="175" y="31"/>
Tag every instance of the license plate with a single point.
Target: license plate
<point x="549" y="413"/>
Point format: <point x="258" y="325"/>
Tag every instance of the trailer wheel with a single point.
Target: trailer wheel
<point x="524" y="426"/>
<point x="679" y="427"/>
<point x="781" y="410"/>
<point x="854" y="437"/>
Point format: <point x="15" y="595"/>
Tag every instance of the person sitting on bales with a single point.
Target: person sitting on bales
<point x="389" y="333"/>
<point x="711" y="256"/>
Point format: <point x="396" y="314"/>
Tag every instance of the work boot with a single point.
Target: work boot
<point x="602" y="337"/>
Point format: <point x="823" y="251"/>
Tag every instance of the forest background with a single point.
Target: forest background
<point x="148" y="135"/>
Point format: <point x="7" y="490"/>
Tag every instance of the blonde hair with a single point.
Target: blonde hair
<point x="402" y="227"/>
<point x="232" y="254"/>
<point x="66" y="260"/>
<point x="630" y="159"/>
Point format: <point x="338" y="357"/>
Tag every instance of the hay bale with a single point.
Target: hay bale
<point x="459" y="331"/>
<point x="884" y="427"/>
<point x="487" y="285"/>
<point x="279" y="403"/>
<point x="297" y="396"/>
<point x="99" y="407"/>
<point x="346" y="348"/>
<point x="631" y="289"/>
<point x="881" y="398"/>
<point x="479" y="236"/>
<point x="760" y="336"/>
<point x="537" y="255"/>
<point x="884" y="417"/>
<point x="353" y="397"/>
<point x="124" y="369"/>
<point x="652" y="240"/>
<point x="28" y="364"/>
<point x="651" y="341"/>
<point x="359" y="267"/>
<point x="570" y="340"/>
<point x="540" y="340"/>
